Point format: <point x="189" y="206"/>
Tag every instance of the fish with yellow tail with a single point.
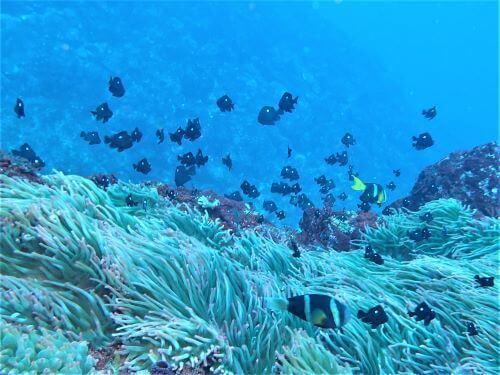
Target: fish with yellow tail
<point x="321" y="310"/>
<point x="372" y="192"/>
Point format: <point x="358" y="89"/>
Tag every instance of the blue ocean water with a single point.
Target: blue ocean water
<point x="368" y="68"/>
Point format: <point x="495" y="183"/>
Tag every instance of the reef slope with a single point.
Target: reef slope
<point x="82" y="274"/>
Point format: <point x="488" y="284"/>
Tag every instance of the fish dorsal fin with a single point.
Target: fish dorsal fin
<point x="318" y="317"/>
<point x="358" y="184"/>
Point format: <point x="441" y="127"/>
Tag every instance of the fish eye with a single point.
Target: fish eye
<point x="421" y="309"/>
<point x="267" y="110"/>
<point x="19" y="104"/>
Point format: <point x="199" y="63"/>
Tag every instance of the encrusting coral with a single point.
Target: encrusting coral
<point x="167" y="283"/>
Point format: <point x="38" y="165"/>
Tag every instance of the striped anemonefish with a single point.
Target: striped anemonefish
<point x="320" y="310"/>
<point x="372" y="193"/>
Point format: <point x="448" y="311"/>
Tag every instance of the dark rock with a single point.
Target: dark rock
<point x="471" y="177"/>
<point x="161" y="368"/>
<point x="232" y="214"/>
<point x="333" y="229"/>
<point x="15" y="166"/>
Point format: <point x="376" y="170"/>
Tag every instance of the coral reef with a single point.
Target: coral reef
<point x="335" y="229"/>
<point x="168" y="283"/>
<point x="233" y="215"/>
<point x="12" y="165"/>
<point x="471" y="177"/>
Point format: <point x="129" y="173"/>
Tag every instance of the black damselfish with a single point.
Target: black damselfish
<point x="142" y="166"/>
<point x="485" y="281"/>
<point x="200" y="159"/>
<point x="269" y="206"/>
<point x="396" y="172"/>
<point x="351" y="173"/>
<point x="287" y="102"/>
<point x="129" y="200"/>
<point x="235" y="196"/>
<point x="193" y="130"/>
<point x="372" y="256"/>
<point x="375" y="316"/>
<point x="348" y="140"/>
<point x="183" y="174"/>
<point x="121" y="141"/>
<point x="391" y="186"/>
<point x="321" y="180"/>
<point x="160" y="134"/>
<point x="19" y="108"/>
<point x="423" y="141"/>
<point x="342" y="196"/>
<point x="427" y="217"/>
<point x="471" y="329"/>
<point x="290" y="173"/>
<point x="268" y="116"/>
<point x="304" y="202"/>
<point x="292" y="245"/>
<point x="289" y="152"/>
<point x="91" y="137"/>
<point x="102" y="112"/>
<point x="26" y="152"/>
<point x="281" y="188"/>
<point x="187" y="159"/>
<point x="296" y="188"/>
<point x="280" y="214"/>
<point x="321" y="310"/>
<point x="227" y="161"/>
<point x="177" y="136"/>
<point x="249" y="189"/>
<point x="327" y="186"/>
<point x="364" y="206"/>
<point x="225" y="104"/>
<point x="419" y="235"/>
<point x="116" y="87"/>
<point x="136" y="135"/>
<point x="423" y="312"/>
<point x="341" y="158"/>
<point x="430" y="113"/>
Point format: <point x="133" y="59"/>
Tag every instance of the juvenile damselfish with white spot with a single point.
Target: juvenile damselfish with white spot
<point x="375" y="316"/>
<point x="19" y="108"/>
<point x="116" y="87"/>
<point x="225" y="104"/>
<point x="321" y="310"/>
<point x="268" y="116"/>
<point x="102" y="112"/>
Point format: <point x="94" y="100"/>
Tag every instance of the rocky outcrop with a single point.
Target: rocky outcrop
<point x="232" y="214"/>
<point x="469" y="176"/>
<point x="12" y="165"/>
<point x="333" y="229"/>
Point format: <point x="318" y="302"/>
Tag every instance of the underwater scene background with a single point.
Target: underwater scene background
<point x="356" y="246"/>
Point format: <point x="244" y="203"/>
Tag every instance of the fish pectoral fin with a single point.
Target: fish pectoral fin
<point x="318" y="317"/>
<point x="358" y="184"/>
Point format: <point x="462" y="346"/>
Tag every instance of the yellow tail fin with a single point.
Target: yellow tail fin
<point x="358" y="184"/>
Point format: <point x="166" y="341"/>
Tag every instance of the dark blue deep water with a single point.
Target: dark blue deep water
<point x="368" y="68"/>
